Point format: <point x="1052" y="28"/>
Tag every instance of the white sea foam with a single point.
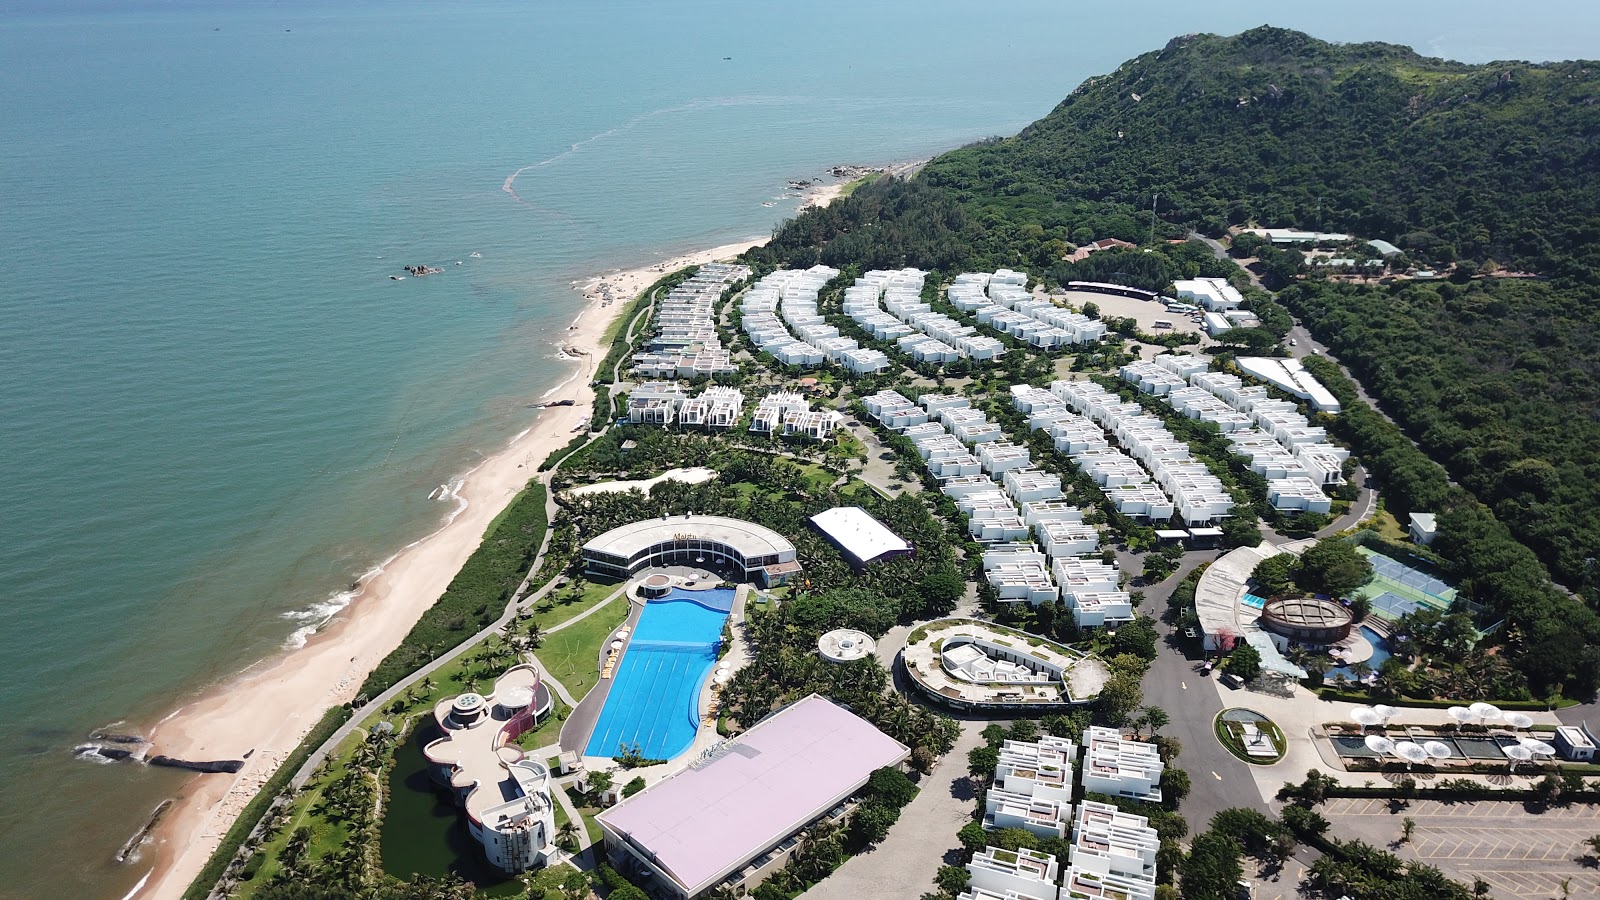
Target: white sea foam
<point x="91" y="753"/>
<point x="510" y="184"/>
<point x="138" y="887"/>
<point x="319" y="614"/>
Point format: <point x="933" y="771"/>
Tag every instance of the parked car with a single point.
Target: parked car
<point x="1232" y="680"/>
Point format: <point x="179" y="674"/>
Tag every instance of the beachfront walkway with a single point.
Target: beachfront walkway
<point x="903" y="865"/>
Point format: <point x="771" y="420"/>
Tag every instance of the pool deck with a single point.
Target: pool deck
<point x="581" y="721"/>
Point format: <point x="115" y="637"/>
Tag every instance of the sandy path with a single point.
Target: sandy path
<point x="270" y="708"/>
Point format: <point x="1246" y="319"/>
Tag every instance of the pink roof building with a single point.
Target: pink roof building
<point x="747" y="797"/>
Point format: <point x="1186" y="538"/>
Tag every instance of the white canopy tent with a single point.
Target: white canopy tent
<point x="1365" y="716"/>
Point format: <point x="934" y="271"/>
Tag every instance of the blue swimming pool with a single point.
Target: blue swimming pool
<point x="655" y="693"/>
<point x="1380" y="652"/>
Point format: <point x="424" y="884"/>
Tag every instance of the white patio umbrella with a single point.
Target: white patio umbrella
<point x="1438" y="749"/>
<point x="1364" y="716"/>
<point x="1486" y="712"/>
<point x="1379" y="744"/>
<point x="1461" y="714"/>
<point x="1411" y="752"/>
<point x="1518" y="720"/>
<point x="1388" y="712"/>
<point x="1517" y="753"/>
<point x="722" y="677"/>
<point x="616" y="645"/>
<point x="1538" y="747"/>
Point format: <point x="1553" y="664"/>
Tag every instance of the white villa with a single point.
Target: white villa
<point x="1022" y="874"/>
<point x="1120" y="767"/>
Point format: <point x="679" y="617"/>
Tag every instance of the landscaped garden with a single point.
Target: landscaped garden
<point x="1250" y="736"/>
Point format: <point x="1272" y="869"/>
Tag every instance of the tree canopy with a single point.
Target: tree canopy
<point x="1333" y="566"/>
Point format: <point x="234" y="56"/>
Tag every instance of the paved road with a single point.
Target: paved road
<point x="1220" y="780"/>
<point x="1221" y="252"/>
<point x="903" y="866"/>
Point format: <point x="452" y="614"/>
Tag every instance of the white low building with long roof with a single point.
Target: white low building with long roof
<point x="859" y="536"/>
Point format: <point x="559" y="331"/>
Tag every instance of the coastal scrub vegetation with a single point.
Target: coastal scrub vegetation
<point x="1499" y="380"/>
<point x="476" y="596"/>
<point x="1549" y="634"/>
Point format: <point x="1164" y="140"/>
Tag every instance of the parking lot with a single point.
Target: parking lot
<point x="1519" y="854"/>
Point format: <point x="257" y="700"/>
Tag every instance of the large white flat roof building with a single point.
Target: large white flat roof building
<point x="1291" y="377"/>
<point x="859" y="536"/>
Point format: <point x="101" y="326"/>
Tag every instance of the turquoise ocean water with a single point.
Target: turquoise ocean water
<point x="216" y="410"/>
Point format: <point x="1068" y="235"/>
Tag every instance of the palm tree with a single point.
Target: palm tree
<point x="567" y="835"/>
<point x="1156" y="718"/>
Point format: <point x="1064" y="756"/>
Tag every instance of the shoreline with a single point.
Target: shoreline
<point x="266" y="710"/>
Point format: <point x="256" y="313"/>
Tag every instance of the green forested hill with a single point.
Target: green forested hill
<point x="1497" y="161"/>
<point x="1450" y="161"/>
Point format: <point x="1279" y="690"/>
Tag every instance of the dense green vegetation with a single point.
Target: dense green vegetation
<point x="1475" y="169"/>
<point x="264" y="801"/>
<point x="1497" y="379"/>
<point x="1277" y="127"/>
<point x="1549" y="635"/>
<point x="476" y="596"/>
<point x="1212" y="868"/>
<point x="1447" y="160"/>
<point x="781" y="494"/>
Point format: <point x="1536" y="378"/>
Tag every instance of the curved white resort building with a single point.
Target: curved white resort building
<point x="507" y="796"/>
<point x="760" y="554"/>
<point x="973" y="666"/>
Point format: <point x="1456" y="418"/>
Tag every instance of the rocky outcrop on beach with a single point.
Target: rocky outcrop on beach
<point x="117" y="738"/>
<point x="208" y="766"/>
<point x="100" y="753"/>
<point x="854" y="172"/>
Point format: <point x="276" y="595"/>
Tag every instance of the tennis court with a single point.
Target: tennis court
<point x="1397" y="589"/>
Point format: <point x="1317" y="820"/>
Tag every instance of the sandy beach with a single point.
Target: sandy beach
<point x="267" y="710"/>
<point x="625" y="284"/>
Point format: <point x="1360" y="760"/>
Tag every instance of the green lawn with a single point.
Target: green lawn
<point x="571" y="654"/>
<point x="1389" y="527"/>
<point x="548" y="729"/>
<point x="567" y="601"/>
<point x="326" y="836"/>
<point x="587" y="814"/>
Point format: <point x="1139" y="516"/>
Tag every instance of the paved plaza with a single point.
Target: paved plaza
<point x="1520" y="853"/>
